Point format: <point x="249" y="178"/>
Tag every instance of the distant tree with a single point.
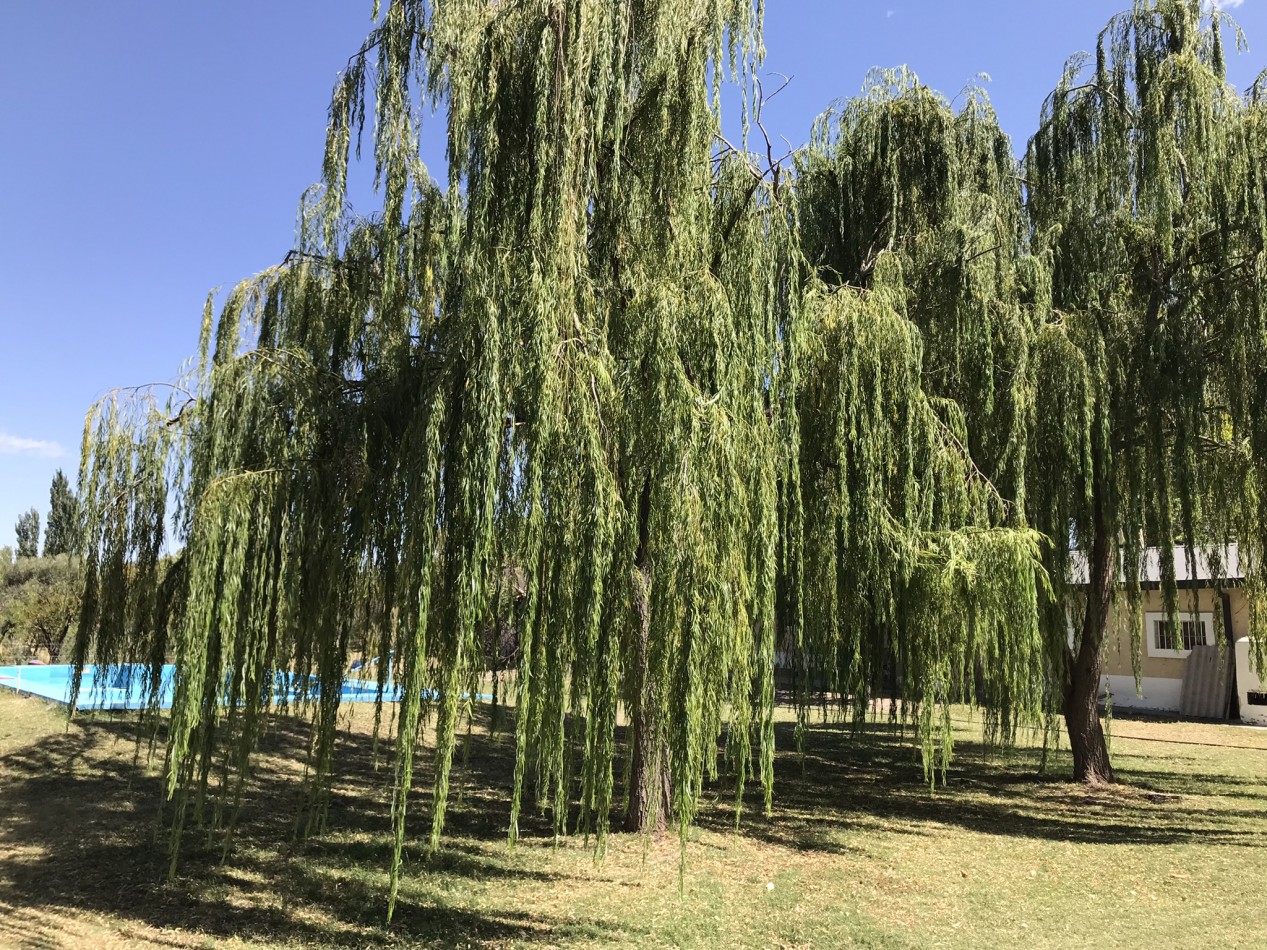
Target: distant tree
<point x="61" y="536"/>
<point x="911" y="212"/>
<point x="39" y="600"/>
<point x="28" y="531"/>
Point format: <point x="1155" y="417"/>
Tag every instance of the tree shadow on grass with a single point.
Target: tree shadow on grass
<point x="871" y="778"/>
<point x="80" y="832"/>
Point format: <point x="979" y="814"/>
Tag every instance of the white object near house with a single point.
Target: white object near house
<point x="1249" y="688"/>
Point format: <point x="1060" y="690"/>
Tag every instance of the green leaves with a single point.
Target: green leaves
<point x="1143" y="194"/>
<point x="657" y="416"/>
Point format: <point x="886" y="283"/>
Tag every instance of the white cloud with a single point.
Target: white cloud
<point x="13" y="445"/>
<point x="1222" y="4"/>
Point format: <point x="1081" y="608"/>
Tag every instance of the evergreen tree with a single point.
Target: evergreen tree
<point x="61" y="535"/>
<point x="27" y="530"/>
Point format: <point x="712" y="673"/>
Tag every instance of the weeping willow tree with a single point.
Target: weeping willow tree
<point x="897" y="170"/>
<point x="559" y="368"/>
<point x="589" y="388"/>
<point x="1145" y="193"/>
<point x="910" y="216"/>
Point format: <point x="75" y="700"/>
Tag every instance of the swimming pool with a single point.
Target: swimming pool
<point x="123" y="687"/>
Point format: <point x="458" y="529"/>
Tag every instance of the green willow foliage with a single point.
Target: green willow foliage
<point x="655" y="404"/>
<point x="565" y="361"/>
<point x="897" y="170"/>
<point x="913" y="213"/>
<point x="1145" y="192"/>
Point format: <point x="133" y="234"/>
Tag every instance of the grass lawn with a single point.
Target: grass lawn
<point x="859" y="853"/>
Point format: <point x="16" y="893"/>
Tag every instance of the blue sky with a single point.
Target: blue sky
<point x="157" y="149"/>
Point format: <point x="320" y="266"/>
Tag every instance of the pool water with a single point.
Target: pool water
<point x="124" y="687"/>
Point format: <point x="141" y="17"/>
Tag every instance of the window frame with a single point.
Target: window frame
<point x="1201" y="617"/>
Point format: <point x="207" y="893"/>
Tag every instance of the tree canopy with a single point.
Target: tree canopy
<point x="39" y="604"/>
<point x="670" y="408"/>
<point x="1145" y="193"/>
<point x="911" y="209"/>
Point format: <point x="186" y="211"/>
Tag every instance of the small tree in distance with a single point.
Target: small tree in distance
<point x="28" y="533"/>
<point x="61" y="536"/>
<point x="39" y="601"/>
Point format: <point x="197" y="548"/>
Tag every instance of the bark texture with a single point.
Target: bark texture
<point x="1082" y="677"/>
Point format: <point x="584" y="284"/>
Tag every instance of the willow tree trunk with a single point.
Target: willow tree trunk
<point x="649" y="787"/>
<point x="1082" y="678"/>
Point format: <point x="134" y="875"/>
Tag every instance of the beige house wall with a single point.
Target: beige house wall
<point x="1161" y="677"/>
<point x="1117" y="648"/>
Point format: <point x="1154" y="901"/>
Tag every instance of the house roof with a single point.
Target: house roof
<point x="1207" y="564"/>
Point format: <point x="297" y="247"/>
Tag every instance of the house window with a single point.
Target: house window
<point x="1177" y="640"/>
